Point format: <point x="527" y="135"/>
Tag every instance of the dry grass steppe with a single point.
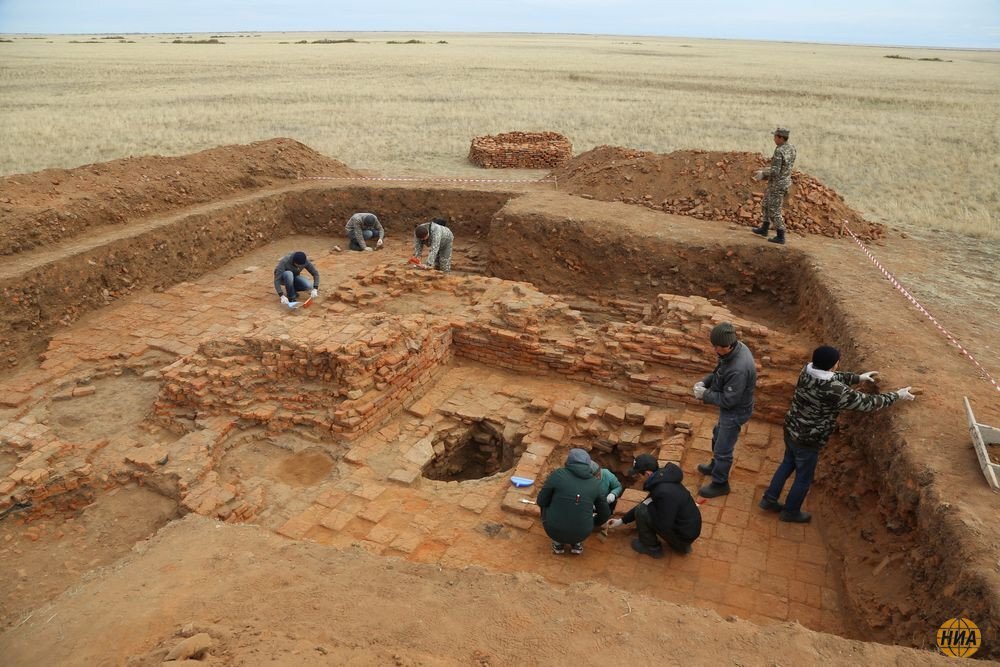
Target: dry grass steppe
<point x="910" y="142"/>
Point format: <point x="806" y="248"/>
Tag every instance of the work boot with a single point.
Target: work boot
<point x="683" y="549"/>
<point x="637" y="545"/>
<point x="762" y="230"/>
<point x="780" y="238"/>
<point x="706" y="468"/>
<point x="770" y="505"/>
<point x="714" y="490"/>
<point x="795" y="517"/>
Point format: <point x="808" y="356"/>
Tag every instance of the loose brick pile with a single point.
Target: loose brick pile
<point x="521" y="150"/>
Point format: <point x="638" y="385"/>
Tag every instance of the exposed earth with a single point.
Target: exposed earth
<point x="345" y="469"/>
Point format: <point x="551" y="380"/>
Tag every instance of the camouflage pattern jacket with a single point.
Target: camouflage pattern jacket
<point x="359" y="222"/>
<point x="819" y="398"/>
<point x="779" y="174"/>
<point x="436" y="235"/>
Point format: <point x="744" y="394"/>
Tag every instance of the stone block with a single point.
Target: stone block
<point x="405" y="476"/>
<point x="553" y="431"/>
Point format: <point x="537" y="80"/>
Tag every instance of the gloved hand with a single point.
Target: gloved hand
<point x="614" y="523"/>
<point x="905" y="394"/>
<point x="426" y="266"/>
<point x="379" y="244"/>
<point x="284" y="300"/>
<point x="611" y="498"/>
<point x="367" y="249"/>
<point x="758" y="175"/>
<point x="868" y="376"/>
<point x="314" y="293"/>
<point x="699" y="390"/>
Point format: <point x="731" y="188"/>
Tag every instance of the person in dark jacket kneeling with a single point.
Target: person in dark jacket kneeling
<point x="668" y="511"/>
<point x="568" y="500"/>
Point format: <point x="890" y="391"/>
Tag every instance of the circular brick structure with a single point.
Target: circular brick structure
<point x="521" y="150"/>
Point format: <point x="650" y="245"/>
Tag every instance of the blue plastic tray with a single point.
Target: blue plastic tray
<point x="521" y="482"/>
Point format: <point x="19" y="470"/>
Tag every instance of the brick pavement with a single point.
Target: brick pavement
<point x="396" y="367"/>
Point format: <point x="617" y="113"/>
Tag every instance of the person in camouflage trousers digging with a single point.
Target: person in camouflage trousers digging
<point x="820" y="395"/>
<point x="779" y="179"/>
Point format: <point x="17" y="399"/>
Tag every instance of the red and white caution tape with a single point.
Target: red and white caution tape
<point x="546" y="179"/>
<point x="916" y="304"/>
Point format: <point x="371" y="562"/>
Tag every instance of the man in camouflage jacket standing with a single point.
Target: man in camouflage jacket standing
<point x="820" y="395"/>
<point x="779" y="179"/>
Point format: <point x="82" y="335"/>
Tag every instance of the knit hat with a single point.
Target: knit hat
<point x="643" y="463"/>
<point x="299" y="258"/>
<point x="825" y="357"/>
<point x="577" y="455"/>
<point x="782" y="132"/>
<point x="723" y="335"/>
<point x="594" y="467"/>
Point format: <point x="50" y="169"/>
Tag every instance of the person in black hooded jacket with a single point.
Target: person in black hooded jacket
<point x="668" y="511"/>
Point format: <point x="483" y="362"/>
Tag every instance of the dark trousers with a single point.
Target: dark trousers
<point x="800" y="460"/>
<point x="724" y="436"/>
<point x="294" y="284"/>
<point x="648" y="535"/>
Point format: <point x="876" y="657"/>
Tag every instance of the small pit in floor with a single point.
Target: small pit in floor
<point x="469" y="452"/>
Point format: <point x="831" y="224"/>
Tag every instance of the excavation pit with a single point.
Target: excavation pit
<point x="479" y="452"/>
<point x="438" y="388"/>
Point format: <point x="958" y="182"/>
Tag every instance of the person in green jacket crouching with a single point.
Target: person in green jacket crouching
<point x="568" y="500"/>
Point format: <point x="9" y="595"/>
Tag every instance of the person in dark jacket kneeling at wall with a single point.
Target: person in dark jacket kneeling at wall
<point x="668" y="511"/>
<point x="568" y="501"/>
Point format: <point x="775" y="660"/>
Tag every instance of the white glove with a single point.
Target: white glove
<point x="868" y="376"/>
<point x="611" y="498"/>
<point x="758" y="175"/>
<point x="905" y="394"/>
<point x="614" y="523"/>
<point x="367" y="249"/>
<point x="379" y="244"/>
<point x="284" y="300"/>
<point x="699" y="390"/>
<point x="314" y="293"/>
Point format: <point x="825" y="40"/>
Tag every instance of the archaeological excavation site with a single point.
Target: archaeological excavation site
<point x="183" y="460"/>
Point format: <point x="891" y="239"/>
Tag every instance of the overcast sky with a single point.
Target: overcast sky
<point x="952" y="23"/>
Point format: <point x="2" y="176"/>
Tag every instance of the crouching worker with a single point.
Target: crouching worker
<point x="438" y="239"/>
<point x="287" y="281"/>
<point x="363" y="227"/>
<point x="668" y="511"/>
<point x="568" y="501"/>
<point x="611" y="488"/>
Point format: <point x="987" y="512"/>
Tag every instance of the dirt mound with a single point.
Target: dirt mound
<point x="709" y="185"/>
<point x="47" y="206"/>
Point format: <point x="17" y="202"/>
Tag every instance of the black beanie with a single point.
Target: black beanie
<point x="299" y="258"/>
<point x="723" y="335"/>
<point x="825" y="357"/>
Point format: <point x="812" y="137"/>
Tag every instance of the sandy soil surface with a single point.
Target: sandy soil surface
<point x="263" y="600"/>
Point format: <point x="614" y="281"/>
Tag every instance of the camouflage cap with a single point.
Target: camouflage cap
<point x="782" y="132"/>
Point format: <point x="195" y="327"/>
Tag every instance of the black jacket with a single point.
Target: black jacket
<point x="673" y="509"/>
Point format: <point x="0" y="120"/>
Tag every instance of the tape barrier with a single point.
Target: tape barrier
<point x="919" y="306"/>
<point x="546" y="179"/>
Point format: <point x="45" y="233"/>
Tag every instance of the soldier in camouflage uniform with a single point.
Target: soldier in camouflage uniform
<point x="779" y="179"/>
<point x="438" y="239"/>
<point x="820" y="395"/>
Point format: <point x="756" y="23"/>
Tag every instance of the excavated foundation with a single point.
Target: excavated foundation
<point x="394" y="411"/>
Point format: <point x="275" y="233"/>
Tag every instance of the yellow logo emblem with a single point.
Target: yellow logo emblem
<point x="959" y="638"/>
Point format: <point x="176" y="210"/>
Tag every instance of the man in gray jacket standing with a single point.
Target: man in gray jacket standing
<point x="730" y="386"/>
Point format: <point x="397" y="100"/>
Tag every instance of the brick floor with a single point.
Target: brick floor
<point x="747" y="562"/>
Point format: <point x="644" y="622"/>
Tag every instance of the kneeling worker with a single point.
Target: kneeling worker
<point x="436" y="235"/>
<point x="361" y="228"/>
<point x="287" y="278"/>
<point x="668" y="511"/>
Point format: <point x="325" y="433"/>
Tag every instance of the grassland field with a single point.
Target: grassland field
<point x="910" y="137"/>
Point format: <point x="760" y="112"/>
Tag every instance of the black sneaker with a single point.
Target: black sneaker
<point x="714" y="490"/>
<point x="577" y="548"/>
<point x="795" y="517"/>
<point x="705" y="468"/>
<point x="770" y="505"/>
<point x="637" y="545"/>
<point x="558" y="549"/>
